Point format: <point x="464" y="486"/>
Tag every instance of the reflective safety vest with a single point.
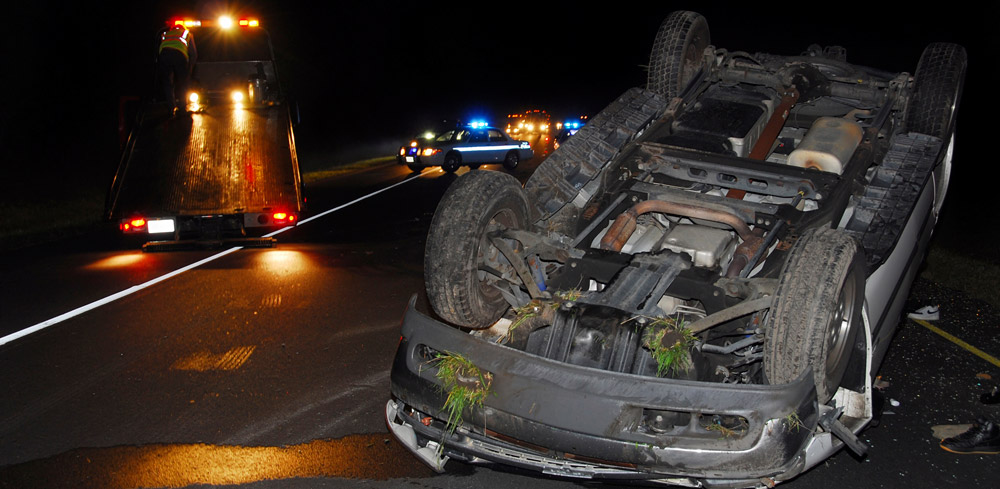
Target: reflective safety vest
<point x="176" y="38"/>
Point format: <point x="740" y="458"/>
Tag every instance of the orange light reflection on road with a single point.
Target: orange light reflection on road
<point x="374" y="456"/>
<point x="283" y="262"/>
<point x="117" y="261"/>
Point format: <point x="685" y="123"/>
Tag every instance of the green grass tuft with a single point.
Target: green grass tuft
<point x="670" y="344"/>
<point x="466" y="385"/>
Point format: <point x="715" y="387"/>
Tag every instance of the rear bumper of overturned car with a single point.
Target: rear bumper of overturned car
<point x="581" y="422"/>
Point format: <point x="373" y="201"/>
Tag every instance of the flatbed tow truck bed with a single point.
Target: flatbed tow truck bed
<point x="219" y="171"/>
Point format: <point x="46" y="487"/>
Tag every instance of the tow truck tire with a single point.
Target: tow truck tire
<point x="451" y="162"/>
<point x="458" y="248"/>
<point x="816" y="314"/>
<point x="511" y="160"/>
<point x="678" y="53"/>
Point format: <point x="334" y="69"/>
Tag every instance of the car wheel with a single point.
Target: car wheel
<point x="816" y="313"/>
<point x="459" y="251"/>
<point x="678" y="53"/>
<point x="415" y="168"/>
<point x="511" y="160"/>
<point x="938" y="84"/>
<point x="451" y="162"/>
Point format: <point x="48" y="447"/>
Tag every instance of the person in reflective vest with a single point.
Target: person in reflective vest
<point x="177" y="56"/>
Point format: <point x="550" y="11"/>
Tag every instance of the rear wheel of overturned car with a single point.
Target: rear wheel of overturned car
<point x="938" y="84"/>
<point x="451" y="162"/>
<point x="511" y="160"/>
<point x="461" y="265"/>
<point x="678" y="53"/>
<point x="816" y="314"/>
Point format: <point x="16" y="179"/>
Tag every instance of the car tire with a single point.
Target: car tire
<point x="511" y="160"/>
<point x="678" y="53"/>
<point x="938" y="81"/>
<point x="458" y="247"/>
<point x="938" y="86"/>
<point x="415" y="168"/>
<point x="451" y="162"/>
<point x="816" y="314"/>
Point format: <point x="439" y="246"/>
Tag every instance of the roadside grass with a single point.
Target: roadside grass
<point x="310" y="177"/>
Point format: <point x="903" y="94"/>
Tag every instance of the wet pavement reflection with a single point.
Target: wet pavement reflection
<point x="370" y="456"/>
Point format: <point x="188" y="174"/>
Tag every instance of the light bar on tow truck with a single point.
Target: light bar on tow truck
<point x="224" y="22"/>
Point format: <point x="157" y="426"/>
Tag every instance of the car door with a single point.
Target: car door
<point x="499" y="144"/>
<point x="476" y="148"/>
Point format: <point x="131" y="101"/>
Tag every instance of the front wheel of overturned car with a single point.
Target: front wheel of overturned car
<point x="816" y="313"/>
<point x="461" y="265"/>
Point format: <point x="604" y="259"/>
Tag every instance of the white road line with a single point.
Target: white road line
<point x="135" y="288"/>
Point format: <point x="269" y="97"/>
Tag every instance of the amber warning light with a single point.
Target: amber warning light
<point x="224" y="22"/>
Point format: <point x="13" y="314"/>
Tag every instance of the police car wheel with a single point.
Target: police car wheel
<point x="510" y="162"/>
<point x="451" y="163"/>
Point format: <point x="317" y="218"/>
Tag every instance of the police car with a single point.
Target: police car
<point x="471" y="145"/>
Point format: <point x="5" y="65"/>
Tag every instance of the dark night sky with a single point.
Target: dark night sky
<point x="375" y="70"/>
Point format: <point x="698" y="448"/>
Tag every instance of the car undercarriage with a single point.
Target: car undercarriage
<point x="697" y="287"/>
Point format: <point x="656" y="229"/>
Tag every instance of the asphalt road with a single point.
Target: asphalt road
<point x="269" y="367"/>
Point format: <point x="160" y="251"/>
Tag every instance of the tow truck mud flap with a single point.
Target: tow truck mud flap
<point x="403" y="432"/>
<point x="158" y="246"/>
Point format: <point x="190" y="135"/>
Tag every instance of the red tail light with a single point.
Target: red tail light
<point x="136" y="224"/>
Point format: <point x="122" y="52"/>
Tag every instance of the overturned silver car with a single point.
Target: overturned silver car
<point x="698" y="287"/>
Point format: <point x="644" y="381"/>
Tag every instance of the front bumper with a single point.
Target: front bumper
<point x="574" y="421"/>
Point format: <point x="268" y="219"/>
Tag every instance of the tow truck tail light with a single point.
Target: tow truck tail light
<point x="283" y="217"/>
<point x="134" y="225"/>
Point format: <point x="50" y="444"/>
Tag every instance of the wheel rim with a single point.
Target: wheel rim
<point x="838" y="330"/>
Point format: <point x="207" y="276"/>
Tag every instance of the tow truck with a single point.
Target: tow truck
<point x="225" y="169"/>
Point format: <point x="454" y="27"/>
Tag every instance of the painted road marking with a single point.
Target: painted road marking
<point x="136" y="288"/>
<point x="944" y="334"/>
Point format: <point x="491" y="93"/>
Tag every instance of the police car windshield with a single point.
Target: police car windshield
<point x="246" y="44"/>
